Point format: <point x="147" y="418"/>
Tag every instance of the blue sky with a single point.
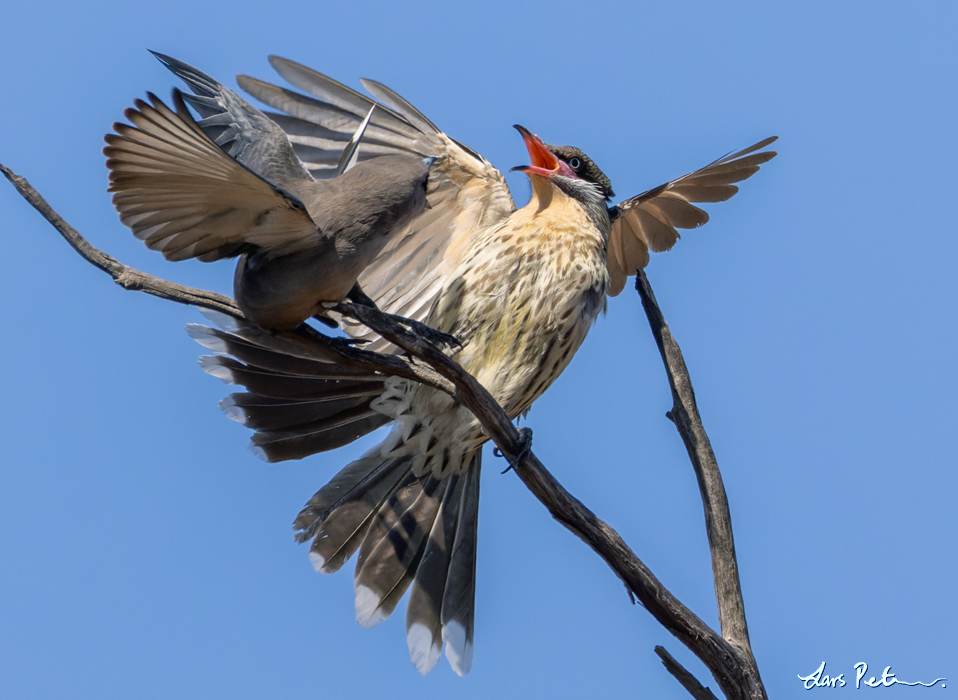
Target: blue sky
<point x="148" y="554"/>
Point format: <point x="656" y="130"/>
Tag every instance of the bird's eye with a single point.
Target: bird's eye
<point x="575" y="163"/>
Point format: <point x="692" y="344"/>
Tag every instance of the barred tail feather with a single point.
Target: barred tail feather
<point x="338" y="516"/>
<point x="410" y="531"/>
<point x="441" y="604"/>
<point x="423" y="623"/>
<point x="392" y="548"/>
<point x="458" y="600"/>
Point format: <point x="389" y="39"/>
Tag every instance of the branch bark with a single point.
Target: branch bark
<point x="688" y="681"/>
<point x="730" y="662"/>
<point x="718" y="519"/>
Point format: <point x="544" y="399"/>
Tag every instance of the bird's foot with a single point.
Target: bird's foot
<point x="427" y="333"/>
<point x="525" y="446"/>
<point x="430" y="335"/>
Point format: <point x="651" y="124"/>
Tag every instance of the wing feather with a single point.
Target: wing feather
<point x="465" y="191"/>
<point x="649" y="221"/>
<point x="182" y="195"/>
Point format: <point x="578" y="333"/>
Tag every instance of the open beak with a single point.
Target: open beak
<point x="543" y="162"/>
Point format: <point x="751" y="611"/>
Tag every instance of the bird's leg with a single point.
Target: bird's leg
<point x="358" y="296"/>
<point x="525" y="444"/>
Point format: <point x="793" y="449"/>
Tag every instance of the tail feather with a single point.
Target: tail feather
<point x="322" y="436"/>
<point x="256" y="349"/>
<point x="296" y="416"/>
<point x="268" y="382"/>
<point x="459" y="599"/>
<point x="337" y="517"/>
<point x="298" y="405"/>
<point x="410" y="531"/>
<point x="268" y="413"/>
<point x="393" y="547"/>
<point x="423" y="621"/>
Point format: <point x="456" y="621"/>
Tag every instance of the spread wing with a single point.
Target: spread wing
<point x="242" y="131"/>
<point x="649" y="221"/>
<point x="184" y="196"/>
<point x="465" y="191"/>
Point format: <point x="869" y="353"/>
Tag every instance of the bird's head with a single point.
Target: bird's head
<point x="566" y="166"/>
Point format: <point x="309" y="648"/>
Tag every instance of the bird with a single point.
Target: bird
<point x="520" y="288"/>
<point x="231" y="185"/>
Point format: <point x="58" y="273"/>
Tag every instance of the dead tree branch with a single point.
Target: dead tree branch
<point x="688" y="681"/>
<point x="730" y="660"/>
<point x="718" y="519"/>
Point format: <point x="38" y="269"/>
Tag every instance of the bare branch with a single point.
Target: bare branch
<point x="718" y="519"/>
<point x="688" y="681"/>
<point x="730" y="669"/>
<point x="127" y="277"/>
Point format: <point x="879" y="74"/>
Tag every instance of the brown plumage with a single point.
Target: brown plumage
<point x="519" y="288"/>
<point x="231" y="185"/>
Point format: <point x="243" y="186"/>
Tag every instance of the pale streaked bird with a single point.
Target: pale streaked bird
<point x="230" y="185"/>
<point x="519" y="288"/>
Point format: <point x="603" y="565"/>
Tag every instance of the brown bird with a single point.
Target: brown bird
<point x="231" y="185"/>
<point x="519" y="288"/>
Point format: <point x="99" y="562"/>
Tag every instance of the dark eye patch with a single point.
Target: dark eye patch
<point x="584" y="167"/>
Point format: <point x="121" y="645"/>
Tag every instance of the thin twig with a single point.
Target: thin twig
<point x="718" y="520"/>
<point x="688" y="681"/>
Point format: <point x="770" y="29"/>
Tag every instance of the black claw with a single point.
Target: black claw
<point x="326" y="320"/>
<point x="525" y="442"/>
<point x="346" y="343"/>
<point x="430" y="335"/>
